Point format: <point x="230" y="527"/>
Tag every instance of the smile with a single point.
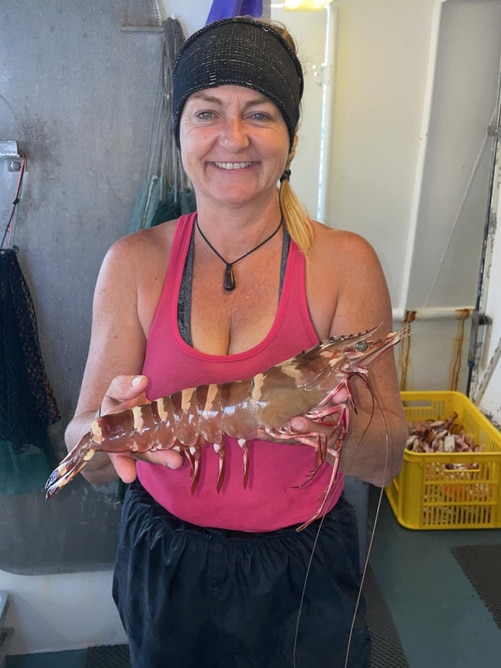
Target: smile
<point x="233" y="165"/>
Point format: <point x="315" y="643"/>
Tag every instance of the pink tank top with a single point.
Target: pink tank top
<point x="278" y="493"/>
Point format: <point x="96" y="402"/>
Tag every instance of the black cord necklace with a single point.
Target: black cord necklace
<point x="229" y="278"/>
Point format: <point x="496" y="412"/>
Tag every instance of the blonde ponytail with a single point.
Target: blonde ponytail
<point x="296" y="218"/>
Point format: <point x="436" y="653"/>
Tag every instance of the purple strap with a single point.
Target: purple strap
<point x="223" y="9"/>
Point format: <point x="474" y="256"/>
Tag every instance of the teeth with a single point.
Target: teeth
<point x="233" y="165"/>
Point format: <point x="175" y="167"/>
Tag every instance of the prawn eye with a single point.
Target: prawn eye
<point x="361" y="346"/>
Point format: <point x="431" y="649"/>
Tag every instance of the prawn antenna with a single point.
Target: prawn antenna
<point x="373" y="532"/>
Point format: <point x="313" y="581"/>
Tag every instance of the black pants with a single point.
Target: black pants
<point x="208" y="598"/>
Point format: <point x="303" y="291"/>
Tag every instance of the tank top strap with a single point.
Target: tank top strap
<point x="293" y="309"/>
<point x="177" y="258"/>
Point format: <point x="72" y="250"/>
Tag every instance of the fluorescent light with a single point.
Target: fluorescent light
<point x="295" y="5"/>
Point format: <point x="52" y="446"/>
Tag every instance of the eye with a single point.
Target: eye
<point x="361" y="346"/>
<point x="260" y="116"/>
<point x="204" y="115"/>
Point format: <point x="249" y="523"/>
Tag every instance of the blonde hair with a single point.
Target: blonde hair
<point x="295" y="216"/>
<point x="294" y="213"/>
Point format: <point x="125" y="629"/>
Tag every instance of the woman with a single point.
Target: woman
<point x="215" y="579"/>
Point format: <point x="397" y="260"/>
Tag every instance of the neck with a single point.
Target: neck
<point x="229" y="277"/>
<point x="234" y="232"/>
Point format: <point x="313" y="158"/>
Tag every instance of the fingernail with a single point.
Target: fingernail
<point x="136" y="381"/>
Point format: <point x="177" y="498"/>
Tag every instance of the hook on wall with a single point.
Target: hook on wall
<point x="16" y="162"/>
<point x="9" y="151"/>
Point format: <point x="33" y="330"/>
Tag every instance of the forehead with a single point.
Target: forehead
<point x="224" y="94"/>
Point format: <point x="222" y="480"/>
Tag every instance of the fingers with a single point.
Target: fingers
<point x="300" y="425"/>
<point x="124" y="466"/>
<point x="342" y="396"/>
<point x="124" y="392"/>
<point x="125" y="463"/>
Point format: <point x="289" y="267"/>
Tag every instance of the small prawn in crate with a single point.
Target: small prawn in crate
<point x="259" y="408"/>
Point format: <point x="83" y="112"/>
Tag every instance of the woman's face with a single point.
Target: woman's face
<point x="234" y="144"/>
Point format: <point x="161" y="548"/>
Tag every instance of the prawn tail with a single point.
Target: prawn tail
<point x="71" y="465"/>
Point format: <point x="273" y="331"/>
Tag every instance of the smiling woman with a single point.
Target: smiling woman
<point x="234" y="145"/>
<point x="220" y="295"/>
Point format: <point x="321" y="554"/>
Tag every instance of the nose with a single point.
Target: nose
<point x="234" y="134"/>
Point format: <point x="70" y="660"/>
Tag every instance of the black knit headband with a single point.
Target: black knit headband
<point x="240" y="51"/>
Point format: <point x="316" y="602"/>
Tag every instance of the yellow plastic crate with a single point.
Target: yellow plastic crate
<point x="449" y="490"/>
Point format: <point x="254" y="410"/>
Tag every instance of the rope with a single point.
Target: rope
<point x="11" y="223"/>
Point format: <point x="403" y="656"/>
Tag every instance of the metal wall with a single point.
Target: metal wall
<point x="77" y="94"/>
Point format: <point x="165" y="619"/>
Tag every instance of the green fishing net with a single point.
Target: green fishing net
<point x="166" y="192"/>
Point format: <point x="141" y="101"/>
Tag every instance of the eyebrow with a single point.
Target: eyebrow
<point x="207" y="97"/>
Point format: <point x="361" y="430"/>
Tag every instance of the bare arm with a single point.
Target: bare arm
<point x="347" y="295"/>
<point x="378" y="430"/>
<point x="112" y="378"/>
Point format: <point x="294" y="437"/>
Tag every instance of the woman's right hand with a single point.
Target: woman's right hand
<point x="123" y="393"/>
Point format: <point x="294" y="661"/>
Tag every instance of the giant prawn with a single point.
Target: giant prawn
<point x="262" y="407"/>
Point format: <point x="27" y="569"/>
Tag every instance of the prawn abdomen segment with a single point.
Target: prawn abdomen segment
<point x="240" y="412"/>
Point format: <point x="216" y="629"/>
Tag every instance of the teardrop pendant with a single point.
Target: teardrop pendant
<point x="229" y="279"/>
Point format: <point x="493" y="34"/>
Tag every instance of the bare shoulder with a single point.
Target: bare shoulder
<point x="347" y="290"/>
<point x="340" y="257"/>
<point x="346" y="246"/>
<point x="147" y="243"/>
<point x="145" y="249"/>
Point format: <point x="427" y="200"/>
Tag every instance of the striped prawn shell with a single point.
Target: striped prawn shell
<point x="260" y="407"/>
